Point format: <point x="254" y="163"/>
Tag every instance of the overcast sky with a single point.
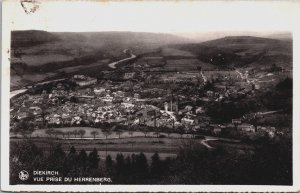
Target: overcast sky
<point x="170" y="17"/>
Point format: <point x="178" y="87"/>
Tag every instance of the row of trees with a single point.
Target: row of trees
<point x="135" y="169"/>
<point x="122" y="170"/>
<point x="267" y="164"/>
<point x="56" y="133"/>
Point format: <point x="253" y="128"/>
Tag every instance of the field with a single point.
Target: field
<point x="169" y="52"/>
<point x="186" y="64"/>
<point x="37" y="53"/>
<point x="166" y="147"/>
<point x="240" y="147"/>
<point x="242" y="51"/>
<point x="88" y="133"/>
<point x="36" y="60"/>
<point x="100" y="63"/>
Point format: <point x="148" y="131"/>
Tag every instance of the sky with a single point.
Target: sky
<point x="184" y="17"/>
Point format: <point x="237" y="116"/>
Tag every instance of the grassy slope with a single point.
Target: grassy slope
<point x="241" y="51"/>
<point x="43" y="53"/>
<point x="233" y="51"/>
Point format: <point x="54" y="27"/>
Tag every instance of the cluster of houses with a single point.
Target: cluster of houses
<point x="82" y="80"/>
<point x="110" y="103"/>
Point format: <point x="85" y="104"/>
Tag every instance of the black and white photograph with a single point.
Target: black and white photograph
<point x="112" y="93"/>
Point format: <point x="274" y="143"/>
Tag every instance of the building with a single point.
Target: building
<point x="99" y="91"/>
<point x="22" y="115"/>
<point x="217" y="130"/>
<point x="86" y="82"/>
<point x="173" y="107"/>
<point x="200" y="110"/>
<point x="129" y="75"/>
<point x="136" y="96"/>
<point x="79" y="77"/>
<point x="187" y="121"/>
<point x="246" y="127"/>
<point x="82" y="80"/>
<point x="236" y="121"/>
<point x="166" y="106"/>
<point x="210" y="93"/>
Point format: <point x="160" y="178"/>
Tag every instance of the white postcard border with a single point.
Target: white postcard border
<point x="7" y="26"/>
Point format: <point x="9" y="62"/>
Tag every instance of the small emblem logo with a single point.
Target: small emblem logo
<point x="23" y="175"/>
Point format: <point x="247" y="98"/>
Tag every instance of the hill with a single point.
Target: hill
<point x="242" y="51"/>
<point x="38" y="55"/>
<point x="31" y="38"/>
<point x="229" y="52"/>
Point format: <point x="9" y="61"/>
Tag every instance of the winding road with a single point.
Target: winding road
<point x="113" y="64"/>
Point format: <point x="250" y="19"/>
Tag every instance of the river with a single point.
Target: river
<point x="16" y="92"/>
<point x="23" y="90"/>
<point x="111" y="65"/>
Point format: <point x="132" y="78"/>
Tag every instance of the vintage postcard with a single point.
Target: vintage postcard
<point x="150" y="96"/>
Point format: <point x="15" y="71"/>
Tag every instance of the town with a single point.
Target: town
<point x="147" y="100"/>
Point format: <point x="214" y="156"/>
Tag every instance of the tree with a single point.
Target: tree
<point x="118" y="130"/>
<point x="24" y="155"/>
<point x="169" y="131"/>
<point x="63" y="134"/>
<point x="55" y="133"/>
<point x="49" y="132"/>
<point x="75" y="132"/>
<point x="141" y="168"/>
<point x="56" y="158"/>
<point x="94" y="133"/>
<point x="106" y="132"/>
<point x="128" y="168"/>
<point x="120" y="164"/>
<point x="93" y="159"/>
<point x="119" y="133"/>
<point x="70" y="164"/>
<point x="74" y="99"/>
<point x="181" y="131"/>
<point x="82" y="160"/>
<point x="23" y="126"/>
<point x="69" y="133"/>
<point x="139" y="116"/>
<point x="81" y="133"/>
<point x="157" y="132"/>
<point x="193" y="131"/>
<point x="26" y="133"/>
<point x="156" y="167"/>
<point x="130" y="132"/>
<point x="145" y="131"/>
<point x="109" y="165"/>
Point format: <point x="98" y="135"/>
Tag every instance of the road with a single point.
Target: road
<point x="204" y="78"/>
<point x="113" y="64"/>
<point x="16" y="92"/>
<point x="203" y="142"/>
<point x="22" y="90"/>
